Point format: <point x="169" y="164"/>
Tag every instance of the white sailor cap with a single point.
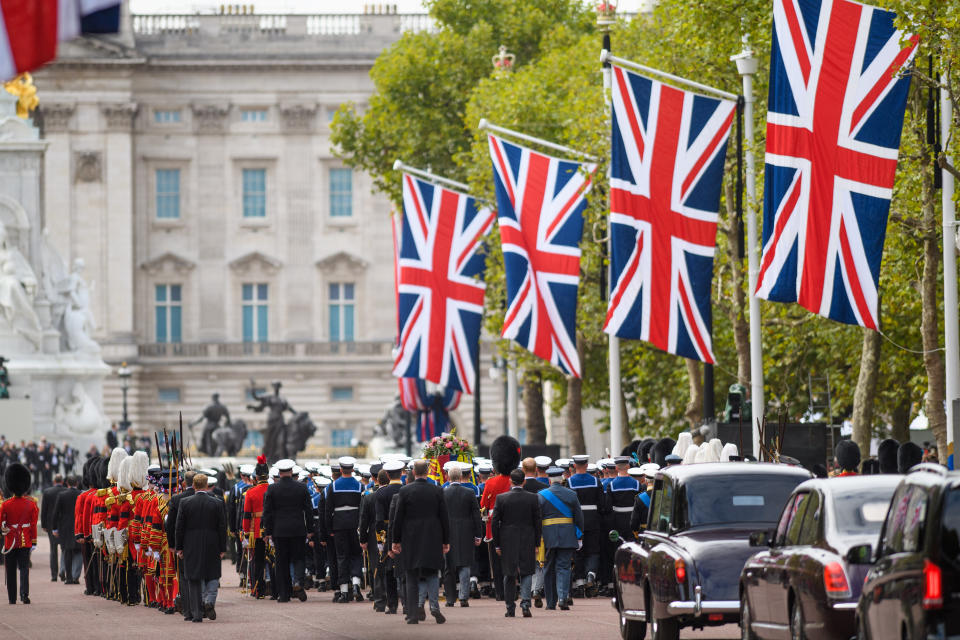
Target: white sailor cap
<point x="650" y="469"/>
<point x="247" y="469"/>
<point x="153" y="467"/>
<point x="311" y="467"/>
<point x="450" y="464"/>
<point x="363" y="469"/>
<point x="393" y="465"/>
<point x="211" y="480"/>
<point x="321" y="481"/>
<point x="580" y="458"/>
<point x="303" y="475"/>
<point x="347" y="461"/>
<point x="273" y="472"/>
<point x="591" y="468"/>
<point x="297" y="469"/>
<point x="465" y="466"/>
<point x="622" y="460"/>
<point x="543" y="461"/>
<point x="285" y="465"/>
<point x="606" y="463"/>
<point x="407" y="459"/>
<point x="636" y="472"/>
<point x="485" y="467"/>
<point x="563" y="462"/>
<point x="335" y="465"/>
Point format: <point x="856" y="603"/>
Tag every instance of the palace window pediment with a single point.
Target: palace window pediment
<point x="342" y="259"/>
<point x="255" y="260"/>
<point x="169" y="260"/>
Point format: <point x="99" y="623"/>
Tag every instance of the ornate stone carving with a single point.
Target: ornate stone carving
<point x="243" y="264"/>
<point x="119" y="116"/>
<point x="87" y="166"/>
<point x="56" y="117"/>
<point x="298" y="117"/>
<point x="348" y="260"/>
<point x="210" y="118"/>
<point x="179" y="264"/>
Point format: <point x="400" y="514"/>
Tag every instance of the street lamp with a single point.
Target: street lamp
<point x="124" y="374"/>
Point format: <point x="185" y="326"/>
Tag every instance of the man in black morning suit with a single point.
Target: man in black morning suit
<point x="516" y="534"/>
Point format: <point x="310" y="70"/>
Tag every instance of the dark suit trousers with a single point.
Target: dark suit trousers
<point x="68" y="561"/>
<point x="256" y="583"/>
<point x="194" y="602"/>
<point x="412" y="596"/>
<point x="497" y="568"/>
<point x="185" y="591"/>
<point x="349" y="555"/>
<point x="290" y="550"/>
<point x="18" y="559"/>
<point x="54" y="555"/>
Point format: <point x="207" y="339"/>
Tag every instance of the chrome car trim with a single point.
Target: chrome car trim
<point x="844" y="606"/>
<point x="635" y="614"/>
<point x="686" y="607"/>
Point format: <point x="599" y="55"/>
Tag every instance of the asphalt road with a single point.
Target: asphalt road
<point x="62" y="611"/>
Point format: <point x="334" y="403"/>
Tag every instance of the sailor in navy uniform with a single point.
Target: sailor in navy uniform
<point x="543" y="463"/>
<point x="621" y="493"/>
<point x="342" y="518"/>
<point x="590" y="494"/>
<point x="645" y="474"/>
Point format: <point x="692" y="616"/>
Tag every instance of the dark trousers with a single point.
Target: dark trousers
<point x="132" y="594"/>
<point x="290" y="550"/>
<point x="185" y="591"/>
<point x="257" y="585"/>
<point x="349" y="555"/>
<point x="391" y="594"/>
<point x="331" y="560"/>
<point x="412" y="594"/>
<point x="497" y="571"/>
<point x="68" y="561"/>
<point x="18" y="559"/>
<point x="193" y="604"/>
<point x="54" y="555"/>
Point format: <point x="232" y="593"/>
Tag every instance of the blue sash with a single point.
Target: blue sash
<point x="559" y="506"/>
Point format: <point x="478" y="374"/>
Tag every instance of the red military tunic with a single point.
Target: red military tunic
<point x="491" y="489"/>
<point x="253" y="511"/>
<point x="19" y="517"/>
<point x="81" y="520"/>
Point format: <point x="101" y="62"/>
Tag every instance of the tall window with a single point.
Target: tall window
<point x="253" y="115"/>
<point x="341" y="193"/>
<point x="168" y="301"/>
<point x="341" y="311"/>
<point x="341" y="438"/>
<point x="254" y="193"/>
<point x="255" y="312"/>
<point x="168" y="193"/>
<point x="163" y="116"/>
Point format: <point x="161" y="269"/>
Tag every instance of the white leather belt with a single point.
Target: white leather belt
<point x="345" y="508"/>
<point x="623" y="509"/>
<point x="588" y="507"/>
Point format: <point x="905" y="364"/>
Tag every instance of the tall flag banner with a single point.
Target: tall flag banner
<point x="836" y="106"/>
<point x="433" y="409"/>
<point x="668" y="150"/>
<point x="541" y="201"/>
<point x="439" y="284"/>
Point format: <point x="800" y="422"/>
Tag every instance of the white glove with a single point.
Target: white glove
<point x="136" y="547"/>
<point x="246" y="543"/>
<point x="579" y="545"/>
<point x="108" y="540"/>
<point x="380" y="547"/>
<point x="156" y="555"/>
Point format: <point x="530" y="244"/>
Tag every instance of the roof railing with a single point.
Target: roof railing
<point x="929" y="467"/>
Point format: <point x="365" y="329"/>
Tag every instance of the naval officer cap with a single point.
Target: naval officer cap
<point x="580" y="459"/>
<point x="606" y="463"/>
<point x="485" y="467"/>
<point x="450" y="464"/>
<point x="650" y="469"/>
<point x="635" y="472"/>
<point x="543" y="462"/>
<point x="563" y="462"/>
<point x="393" y="465"/>
<point x="247" y="469"/>
<point x="622" y="460"/>
<point x="553" y="472"/>
<point x="347" y="461"/>
<point x="591" y="468"/>
<point x="335" y="465"/>
<point x="285" y="465"/>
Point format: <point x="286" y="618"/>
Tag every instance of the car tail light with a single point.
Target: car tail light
<point x="835" y="581"/>
<point x="681" y="570"/>
<point x="715" y="617"/>
<point x="932" y="586"/>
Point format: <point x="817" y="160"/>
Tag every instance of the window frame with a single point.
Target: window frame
<point x="167" y="307"/>
<point x="254" y="110"/>
<point x="160" y="395"/>
<point x="157" y="194"/>
<point x="160" y="120"/>
<point x="259" y="312"/>
<point x="337" y="308"/>
<point x="333" y="194"/>
<point x="244" y="171"/>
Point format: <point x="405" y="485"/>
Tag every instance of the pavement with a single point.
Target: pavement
<point x="62" y="611"/>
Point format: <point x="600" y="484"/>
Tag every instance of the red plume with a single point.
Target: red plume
<point x="261" y="459"/>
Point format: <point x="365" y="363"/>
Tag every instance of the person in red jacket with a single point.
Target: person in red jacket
<point x="505" y="452"/>
<point x="18" y="525"/>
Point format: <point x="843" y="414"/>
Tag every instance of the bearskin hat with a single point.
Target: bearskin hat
<point x="89" y="480"/>
<point x="848" y="455"/>
<point x="505" y="453"/>
<point x="660" y="451"/>
<point x="631" y="448"/>
<point x="887" y="455"/>
<point x="262" y="470"/>
<point x="117" y="456"/>
<point x="17" y="479"/>
<point x="869" y="467"/>
<point x="101" y="473"/>
<point x="644" y="452"/>
<point x="908" y="455"/>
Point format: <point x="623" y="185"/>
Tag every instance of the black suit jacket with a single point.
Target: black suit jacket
<point x="47" y="505"/>
<point x="463" y="512"/>
<point x="533" y="485"/>
<point x="201" y="533"/>
<point x="173" y="509"/>
<point x="62" y="518"/>
<point x="421" y="526"/>
<point x="287" y="509"/>
<point x="516" y="530"/>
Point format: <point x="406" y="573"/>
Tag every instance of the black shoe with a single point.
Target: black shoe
<point x="53" y="579"/>
<point x="209" y="612"/>
<point x="551" y="608"/>
<point x="169" y="611"/>
<point x="510" y="614"/>
<point x="569" y="602"/>
<point x="336" y="596"/>
<point x="450" y="603"/>
<point x="474" y="590"/>
<point x="464" y="603"/>
<point x="345" y="597"/>
<point x="198" y="620"/>
<point x="25" y="599"/>
<point x="391" y="611"/>
<point x="437" y="616"/>
<point x="422" y="613"/>
<point x="283" y="599"/>
<point x="564" y="607"/>
<point x="537" y="601"/>
<point x="14" y="602"/>
<point x="357" y="594"/>
<point x="300" y="593"/>
<point x="526" y="612"/>
<point x="412" y="621"/>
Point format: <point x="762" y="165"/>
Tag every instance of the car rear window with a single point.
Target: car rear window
<point x="737" y="498"/>
<point x="862" y="511"/>
<point x="950" y="543"/>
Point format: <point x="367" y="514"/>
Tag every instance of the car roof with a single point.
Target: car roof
<point x="929" y="475"/>
<point x="850" y="483"/>
<point x="684" y="472"/>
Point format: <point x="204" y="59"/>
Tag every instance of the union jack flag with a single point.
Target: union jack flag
<point x="439" y="284"/>
<point x="541" y="201"/>
<point x="833" y="132"/>
<point x="666" y="167"/>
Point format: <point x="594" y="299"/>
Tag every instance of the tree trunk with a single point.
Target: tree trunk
<point x="865" y="393"/>
<point x="929" y="329"/>
<point x="574" y="408"/>
<point x="533" y="406"/>
<point x="694" y="411"/>
<point x="737" y="313"/>
<point x="900" y="420"/>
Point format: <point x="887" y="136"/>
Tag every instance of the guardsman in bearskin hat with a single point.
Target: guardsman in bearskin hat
<point x="908" y="455"/>
<point x="887" y="455"/>
<point x="253" y="543"/>
<point x="18" y="526"/>
<point x="505" y="453"/>
<point x="847" y="454"/>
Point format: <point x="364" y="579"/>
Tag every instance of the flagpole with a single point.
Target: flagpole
<point x="950" y="319"/>
<point x="398" y="165"/>
<point x="513" y="403"/>
<point x="485" y="125"/>
<point x="606" y="57"/>
<point x="747" y="67"/>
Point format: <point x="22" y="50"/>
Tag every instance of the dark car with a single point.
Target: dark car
<point x="806" y="585"/>
<point x="913" y="589"/>
<point x="684" y="571"/>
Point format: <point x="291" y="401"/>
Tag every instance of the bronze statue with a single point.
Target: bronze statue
<point x="213" y="416"/>
<point x="394" y="423"/>
<point x="275" y="439"/>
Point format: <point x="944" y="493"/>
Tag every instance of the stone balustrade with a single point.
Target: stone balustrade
<point x="182" y="351"/>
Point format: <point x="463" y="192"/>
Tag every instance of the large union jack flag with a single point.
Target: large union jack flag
<point x="439" y="284"/>
<point x="668" y="150"/>
<point x="833" y="132"/>
<point x="541" y="201"/>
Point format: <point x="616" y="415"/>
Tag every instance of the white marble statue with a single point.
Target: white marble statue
<point x="77" y="414"/>
<point x="16" y="307"/>
<point x="70" y="300"/>
<point x="22" y="268"/>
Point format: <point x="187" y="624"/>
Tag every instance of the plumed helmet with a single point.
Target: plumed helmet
<point x="123" y="477"/>
<point x="117" y="456"/>
<point x="644" y="451"/>
<point x="887" y="455"/>
<point x="17" y="479"/>
<point x="729" y="450"/>
<point x="262" y="470"/>
<point x="138" y="469"/>
<point x="690" y="455"/>
<point x="848" y="455"/>
<point x="908" y="455"/>
<point x="660" y="451"/>
<point x="684" y="440"/>
<point x="505" y="453"/>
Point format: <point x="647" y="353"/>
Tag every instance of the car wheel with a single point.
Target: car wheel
<point x="746" y="619"/>
<point x="796" y="623"/>
<point x="665" y="629"/>
<point x="630" y="629"/>
<point x="862" y="630"/>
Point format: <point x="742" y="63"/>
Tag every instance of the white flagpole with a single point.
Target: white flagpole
<point x="950" y="319"/>
<point x="606" y="56"/>
<point x="513" y="402"/>
<point x="747" y="67"/>
<point x="485" y="125"/>
<point x="613" y="342"/>
<point x="398" y="165"/>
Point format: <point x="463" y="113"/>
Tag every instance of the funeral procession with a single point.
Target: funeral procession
<point x="324" y="318"/>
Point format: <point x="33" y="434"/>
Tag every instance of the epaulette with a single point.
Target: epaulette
<point x="130" y="498"/>
<point x="34" y="498"/>
<point x="102" y="492"/>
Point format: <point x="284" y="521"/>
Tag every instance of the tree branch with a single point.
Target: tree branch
<point x="945" y="165"/>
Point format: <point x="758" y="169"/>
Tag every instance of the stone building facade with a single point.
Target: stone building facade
<point x="189" y="164"/>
